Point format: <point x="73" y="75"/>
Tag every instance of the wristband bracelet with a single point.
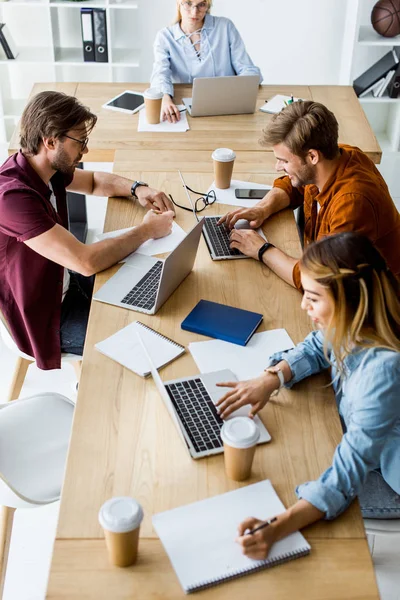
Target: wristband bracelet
<point x="263" y="249"/>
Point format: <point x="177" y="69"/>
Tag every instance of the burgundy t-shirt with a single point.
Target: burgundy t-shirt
<point x="30" y="285"/>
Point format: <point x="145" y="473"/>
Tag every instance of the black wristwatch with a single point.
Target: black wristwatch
<point x="135" y="185"/>
<point x="263" y="249"/>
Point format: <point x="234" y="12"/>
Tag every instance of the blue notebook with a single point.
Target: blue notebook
<point x="223" y="322"/>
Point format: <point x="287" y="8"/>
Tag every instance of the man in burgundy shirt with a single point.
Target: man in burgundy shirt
<point x="45" y="272"/>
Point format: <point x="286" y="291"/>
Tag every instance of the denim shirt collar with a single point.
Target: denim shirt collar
<point x="178" y="33"/>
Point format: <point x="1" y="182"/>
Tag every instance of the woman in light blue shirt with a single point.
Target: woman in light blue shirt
<point x="197" y="45"/>
<point x="354" y="302"/>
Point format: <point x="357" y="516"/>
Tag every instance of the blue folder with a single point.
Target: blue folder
<point x="222" y="322"/>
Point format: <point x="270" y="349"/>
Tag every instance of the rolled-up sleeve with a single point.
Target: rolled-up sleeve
<point x="305" y="359"/>
<point x="375" y="412"/>
<point x="296" y="195"/>
<point x="161" y="77"/>
<point x="241" y="61"/>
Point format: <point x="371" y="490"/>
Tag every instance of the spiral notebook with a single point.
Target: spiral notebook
<point x="199" y="538"/>
<point x="124" y="348"/>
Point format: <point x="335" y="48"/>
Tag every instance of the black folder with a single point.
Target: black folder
<point x="377" y="71"/>
<point x="100" y="35"/>
<point x="87" y="34"/>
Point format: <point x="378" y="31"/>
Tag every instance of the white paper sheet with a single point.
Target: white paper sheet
<point x="151" y="247"/>
<point x="276" y="104"/>
<point x="247" y="361"/>
<point x="180" y="126"/>
<point x="228" y="196"/>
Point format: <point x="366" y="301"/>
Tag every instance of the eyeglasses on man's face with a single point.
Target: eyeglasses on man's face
<point x="201" y="6"/>
<point x="83" y="143"/>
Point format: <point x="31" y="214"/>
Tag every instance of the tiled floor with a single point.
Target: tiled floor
<point x="34" y="530"/>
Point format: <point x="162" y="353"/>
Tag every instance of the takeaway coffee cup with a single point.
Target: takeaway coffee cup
<point x="240" y="436"/>
<point x="121" y="518"/>
<point x="224" y="159"/>
<point x="152" y="103"/>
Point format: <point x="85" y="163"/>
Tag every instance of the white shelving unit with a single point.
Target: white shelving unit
<point x="48" y="36"/>
<point x="368" y="47"/>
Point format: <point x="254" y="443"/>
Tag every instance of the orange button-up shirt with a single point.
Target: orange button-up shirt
<point x="355" y="198"/>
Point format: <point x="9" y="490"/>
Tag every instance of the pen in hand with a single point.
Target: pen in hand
<point x="262" y="526"/>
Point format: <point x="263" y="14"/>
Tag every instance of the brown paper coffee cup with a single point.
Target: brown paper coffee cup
<point x="152" y="102"/>
<point x="240" y="436"/>
<point x="224" y="159"/>
<point x="122" y="547"/>
<point x="238" y="462"/>
<point x="121" y="518"/>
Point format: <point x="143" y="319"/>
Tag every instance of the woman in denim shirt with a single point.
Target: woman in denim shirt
<point x="354" y="302"/>
<point x="197" y="45"/>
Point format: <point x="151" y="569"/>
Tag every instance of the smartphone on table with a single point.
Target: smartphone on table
<point x="248" y="194"/>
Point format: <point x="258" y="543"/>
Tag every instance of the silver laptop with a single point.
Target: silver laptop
<point x="216" y="236"/>
<point x="191" y="405"/>
<point x="213" y="96"/>
<point x="146" y="282"/>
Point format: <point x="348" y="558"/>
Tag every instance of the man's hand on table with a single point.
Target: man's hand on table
<point x="153" y="199"/>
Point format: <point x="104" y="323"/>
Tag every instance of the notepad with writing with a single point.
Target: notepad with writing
<point x="199" y="538"/>
<point x="124" y="348"/>
<point x="223" y="322"/>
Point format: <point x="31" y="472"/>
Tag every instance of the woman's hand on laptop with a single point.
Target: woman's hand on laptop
<point x="254" y="391"/>
<point x="169" y="110"/>
<point x="153" y="199"/>
<point x="158" y="224"/>
<point x="255" y="215"/>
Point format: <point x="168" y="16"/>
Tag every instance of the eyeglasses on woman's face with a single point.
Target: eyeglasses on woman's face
<point x="188" y="6"/>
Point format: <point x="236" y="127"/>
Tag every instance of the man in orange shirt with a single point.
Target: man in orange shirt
<point x="339" y="187"/>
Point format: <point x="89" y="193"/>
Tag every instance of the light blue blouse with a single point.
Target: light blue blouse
<point x="222" y="53"/>
<point x="368" y="399"/>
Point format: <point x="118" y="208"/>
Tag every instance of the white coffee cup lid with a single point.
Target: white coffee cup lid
<point x="223" y="155"/>
<point x="240" y="432"/>
<point x="153" y="94"/>
<point x="120" y="514"/>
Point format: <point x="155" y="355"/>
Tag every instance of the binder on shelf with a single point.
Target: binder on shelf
<point x="378" y="71"/>
<point x="100" y="34"/>
<point x="386" y="83"/>
<point x="7" y="42"/>
<point x="87" y="34"/>
<point x="394" y="88"/>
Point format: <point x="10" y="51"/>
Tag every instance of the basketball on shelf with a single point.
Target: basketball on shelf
<point x="385" y="17"/>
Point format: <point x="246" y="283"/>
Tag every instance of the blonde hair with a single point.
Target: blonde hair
<point x="178" y="16"/>
<point x="366" y="294"/>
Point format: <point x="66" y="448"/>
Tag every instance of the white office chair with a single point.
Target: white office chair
<point x="34" y="438"/>
<point x="24" y="360"/>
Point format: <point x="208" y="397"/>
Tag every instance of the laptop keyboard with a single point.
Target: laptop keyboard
<point x="144" y="294"/>
<point x="219" y="238"/>
<point x="197" y="413"/>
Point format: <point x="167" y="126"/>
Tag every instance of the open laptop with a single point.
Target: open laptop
<point x="146" y="282"/>
<point x="216" y="236"/>
<point x="214" y="96"/>
<point x="191" y="401"/>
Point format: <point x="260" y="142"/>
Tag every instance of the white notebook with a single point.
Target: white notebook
<point x="199" y="538"/>
<point x="124" y="348"/>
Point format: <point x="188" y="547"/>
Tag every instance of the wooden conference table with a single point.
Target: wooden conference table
<point x="115" y="130"/>
<point x="123" y="441"/>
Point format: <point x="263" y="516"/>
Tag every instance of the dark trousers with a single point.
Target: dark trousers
<point x="75" y="313"/>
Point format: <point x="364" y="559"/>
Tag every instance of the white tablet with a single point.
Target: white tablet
<point x="127" y="102"/>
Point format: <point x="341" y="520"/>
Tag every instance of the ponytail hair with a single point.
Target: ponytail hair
<point x="366" y="294"/>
